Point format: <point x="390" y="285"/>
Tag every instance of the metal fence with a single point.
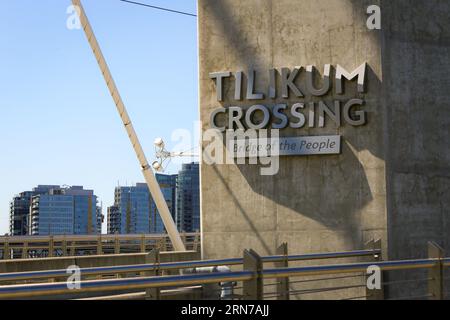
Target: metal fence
<point x="25" y="247"/>
<point x="253" y="282"/>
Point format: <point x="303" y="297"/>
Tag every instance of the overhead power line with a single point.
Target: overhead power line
<point x="159" y="8"/>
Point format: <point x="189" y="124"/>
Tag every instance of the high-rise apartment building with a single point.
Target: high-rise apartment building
<point x="134" y="210"/>
<point x="188" y="198"/>
<point x="113" y="222"/>
<point x="18" y="214"/>
<point x="100" y="219"/>
<point x="168" y="184"/>
<point x="55" y="210"/>
<point x="20" y="210"/>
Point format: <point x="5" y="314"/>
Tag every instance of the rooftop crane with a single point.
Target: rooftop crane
<point x="147" y="171"/>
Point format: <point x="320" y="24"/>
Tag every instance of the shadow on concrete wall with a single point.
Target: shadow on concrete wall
<point x="339" y="183"/>
<point x="417" y="37"/>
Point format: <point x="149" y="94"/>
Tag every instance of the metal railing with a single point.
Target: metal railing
<point x="254" y="277"/>
<point x="139" y="268"/>
<point x="24" y="247"/>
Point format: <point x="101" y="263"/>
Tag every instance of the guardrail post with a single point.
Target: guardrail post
<point x="6" y="252"/>
<point x="153" y="257"/>
<point x="72" y="248"/>
<point x="25" y="250"/>
<point x="99" y="246"/>
<point x="116" y="245"/>
<point x="143" y="247"/>
<point x="196" y="246"/>
<point x="163" y="244"/>
<point x="253" y="289"/>
<point x="283" y="283"/>
<point x="435" y="274"/>
<point x="64" y="246"/>
<point x="51" y="246"/>
<point x="375" y="294"/>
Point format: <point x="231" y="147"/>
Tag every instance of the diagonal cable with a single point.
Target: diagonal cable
<point x="159" y="8"/>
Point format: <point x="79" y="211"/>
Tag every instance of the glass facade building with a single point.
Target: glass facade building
<point x="114" y="226"/>
<point x="188" y="198"/>
<point x="133" y="206"/>
<point x="100" y="219"/>
<point x="168" y="184"/>
<point x="85" y="209"/>
<point x="54" y="210"/>
<point x="134" y="211"/>
<point x="52" y="215"/>
<point x="19" y="210"/>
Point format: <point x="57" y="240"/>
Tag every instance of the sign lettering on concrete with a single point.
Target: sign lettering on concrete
<point x="291" y="146"/>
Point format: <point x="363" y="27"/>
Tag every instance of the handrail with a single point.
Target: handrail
<point x="22" y="247"/>
<point x="349" y="268"/>
<point x="45" y="289"/>
<point x="91" y="237"/>
<point x="14" y="276"/>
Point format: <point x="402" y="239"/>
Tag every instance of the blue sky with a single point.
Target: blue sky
<point x="60" y="125"/>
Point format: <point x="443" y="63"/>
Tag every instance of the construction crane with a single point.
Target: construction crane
<point x="147" y="171"/>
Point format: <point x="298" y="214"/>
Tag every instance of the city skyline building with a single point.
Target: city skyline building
<point x="113" y="220"/>
<point x="55" y="210"/>
<point x="133" y="205"/>
<point x="168" y="184"/>
<point x="69" y="210"/>
<point x="100" y="218"/>
<point x="134" y="211"/>
<point x="18" y="213"/>
<point x="188" y="198"/>
<point x="20" y="210"/>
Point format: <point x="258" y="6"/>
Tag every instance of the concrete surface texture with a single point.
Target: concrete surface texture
<point x="391" y="180"/>
<point x="416" y="80"/>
